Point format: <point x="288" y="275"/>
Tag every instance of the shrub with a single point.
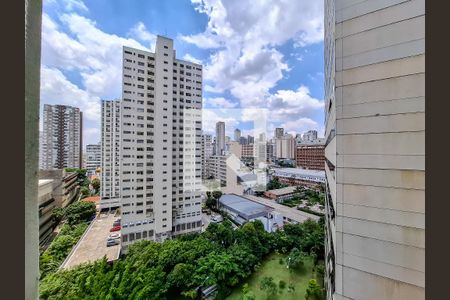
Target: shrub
<point x="281" y="261"/>
<point x="282" y="284"/>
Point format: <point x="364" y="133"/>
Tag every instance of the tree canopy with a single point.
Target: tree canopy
<point x="151" y="270"/>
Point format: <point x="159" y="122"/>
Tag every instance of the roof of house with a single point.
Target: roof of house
<point x="245" y="208"/>
<point x="95" y="199"/>
<point x="283" y="191"/>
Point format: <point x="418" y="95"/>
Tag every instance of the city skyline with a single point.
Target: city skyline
<point x="81" y="73"/>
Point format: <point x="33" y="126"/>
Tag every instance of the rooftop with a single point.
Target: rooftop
<point x="299" y="171"/>
<point x="95" y="199"/>
<point x="283" y="191"/>
<point x="243" y="207"/>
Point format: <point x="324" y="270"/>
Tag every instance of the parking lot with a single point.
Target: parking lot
<point x="92" y="245"/>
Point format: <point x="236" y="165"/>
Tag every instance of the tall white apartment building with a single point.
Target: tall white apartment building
<point x="285" y="147"/>
<point x="310" y="136"/>
<point x="220" y="138"/>
<point x="279" y="132"/>
<point x="375" y="149"/>
<point x="207" y="152"/>
<point x="61" y="140"/>
<point x="160" y="168"/>
<point x="110" y="154"/>
<point x="93" y="158"/>
<point x="237" y="135"/>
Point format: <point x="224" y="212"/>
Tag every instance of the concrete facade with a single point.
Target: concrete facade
<point x="375" y="149"/>
<point x="110" y="154"/>
<point x="93" y="158"/>
<point x="220" y="138"/>
<point x="160" y="167"/>
<point x="62" y="137"/>
<point x="285" y="147"/>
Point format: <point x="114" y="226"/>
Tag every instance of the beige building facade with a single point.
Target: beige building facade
<point x="375" y="149"/>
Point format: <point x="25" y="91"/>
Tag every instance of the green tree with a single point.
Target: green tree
<point x="79" y="211"/>
<point x="269" y="286"/>
<point x="249" y="296"/>
<point x="313" y="291"/>
<point x="291" y="289"/>
<point x="96" y="184"/>
<point x="85" y="192"/>
<point x="295" y="259"/>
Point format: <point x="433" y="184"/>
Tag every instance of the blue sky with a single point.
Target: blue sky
<point x="258" y="56"/>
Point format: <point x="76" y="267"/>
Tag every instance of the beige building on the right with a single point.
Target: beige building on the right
<point x="375" y="149"/>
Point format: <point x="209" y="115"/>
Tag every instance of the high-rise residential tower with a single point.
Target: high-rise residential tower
<point x="220" y="138"/>
<point x="375" y="149"/>
<point x="310" y="136"/>
<point x="93" y="158"/>
<point x="160" y="169"/>
<point x="207" y="152"/>
<point x="285" y="147"/>
<point x="237" y="134"/>
<point x="279" y="132"/>
<point x="110" y="154"/>
<point x="61" y="137"/>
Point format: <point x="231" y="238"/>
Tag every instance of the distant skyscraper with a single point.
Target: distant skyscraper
<point x="207" y="152"/>
<point x="250" y="139"/>
<point x="279" y="132"/>
<point x="220" y="138"/>
<point x="110" y="154"/>
<point x="61" y="137"/>
<point x="310" y="136"/>
<point x="237" y="134"/>
<point x="93" y="158"/>
<point x="285" y="147"/>
<point x="161" y="144"/>
<point x="298" y="138"/>
<point x="243" y="140"/>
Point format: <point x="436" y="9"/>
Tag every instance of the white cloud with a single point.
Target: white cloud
<point x="211" y="116"/>
<point x="74" y="5"/>
<point x="220" y="102"/>
<point x="245" y="34"/>
<point x="190" y="58"/>
<point x="56" y="89"/>
<point x="300" y="126"/>
<point x="139" y="31"/>
<point x="96" y="55"/>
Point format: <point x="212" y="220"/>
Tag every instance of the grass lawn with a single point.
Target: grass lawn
<point x="272" y="267"/>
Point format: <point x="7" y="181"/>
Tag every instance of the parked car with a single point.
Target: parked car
<point x="113" y="242"/>
<point x="116" y="223"/>
<point x="113" y="236"/>
<point x="115" y="228"/>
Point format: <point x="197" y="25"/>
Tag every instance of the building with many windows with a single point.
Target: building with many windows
<point x="93" y="158"/>
<point x="61" y="141"/>
<point x="311" y="155"/>
<point x="237" y="135"/>
<point x="207" y="152"/>
<point x="110" y="154"/>
<point x="220" y="138"/>
<point x="285" y="147"/>
<point x="375" y="149"/>
<point x="160" y="166"/>
<point x="310" y="136"/>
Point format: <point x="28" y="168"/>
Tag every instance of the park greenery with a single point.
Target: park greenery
<point x="219" y="256"/>
<point x="213" y="199"/>
<point x="74" y="217"/>
<point x="274" y="184"/>
<point x="307" y="196"/>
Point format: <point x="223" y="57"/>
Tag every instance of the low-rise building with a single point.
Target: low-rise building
<point x="311" y="155"/>
<point x="217" y="168"/>
<point x="296" y="176"/>
<point x="279" y="195"/>
<point x="243" y="210"/>
<point x="65" y="185"/>
<point x="46" y="204"/>
<point x="248" y="151"/>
